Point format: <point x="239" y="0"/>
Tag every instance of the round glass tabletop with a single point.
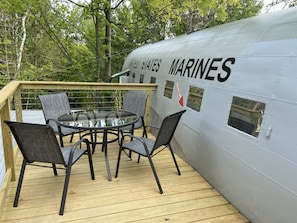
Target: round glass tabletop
<point x="96" y="119"/>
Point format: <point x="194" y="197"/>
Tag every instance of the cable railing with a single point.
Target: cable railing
<point x="78" y="99"/>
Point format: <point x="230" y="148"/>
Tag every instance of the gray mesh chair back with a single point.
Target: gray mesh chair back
<point x="167" y="130"/>
<point x="38" y="143"/>
<point x="136" y="103"/>
<point x="53" y="106"/>
<point x="146" y="147"/>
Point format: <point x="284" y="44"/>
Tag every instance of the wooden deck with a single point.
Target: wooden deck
<point x="132" y="197"/>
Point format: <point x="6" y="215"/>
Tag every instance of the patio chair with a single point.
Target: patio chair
<point x="149" y="148"/>
<point x="53" y="106"/>
<point x="38" y="143"/>
<point x="135" y="103"/>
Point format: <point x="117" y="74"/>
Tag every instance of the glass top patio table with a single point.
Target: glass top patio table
<point x="98" y="120"/>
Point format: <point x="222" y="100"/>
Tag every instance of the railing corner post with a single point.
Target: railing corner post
<point x="7" y="141"/>
<point x="18" y="105"/>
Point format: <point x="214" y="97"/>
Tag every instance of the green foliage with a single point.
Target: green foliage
<point x="60" y="39"/>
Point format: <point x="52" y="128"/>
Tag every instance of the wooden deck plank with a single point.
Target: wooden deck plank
<point x="225" y="213"/>
<point x="132" y="197"/>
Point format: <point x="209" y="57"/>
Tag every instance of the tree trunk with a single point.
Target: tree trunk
<point x="21" y="48"/>
<point x="7" y="72"/>
<point x="190" y="22"/>
<point x="107" y="75"/>
<point x="97" y="48"/>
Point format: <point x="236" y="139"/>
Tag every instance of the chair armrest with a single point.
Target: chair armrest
<point x="81" y="141"/>
<point x="131" y="136"/>
<point x="140" y="139"/>
<point x="75" y="146"/>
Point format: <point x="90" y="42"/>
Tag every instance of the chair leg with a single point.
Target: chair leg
<point x="55" y="169"/>
<point x="131" y="139"/>
<point x="18" y="190"/>
<point x="71" y="138"/>
<point x="65" y="189"/>
<point x="144" y="134"/>
<point x="61" y="140"/>
<point x="172" y="154"/>
<point x="93" y="141"/>
<point x="90" y="162"/>
<point x="119" y="160"/>
<point x="155" y="174"/>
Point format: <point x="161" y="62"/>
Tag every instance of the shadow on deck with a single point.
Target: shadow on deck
<point x="132" y="197"/>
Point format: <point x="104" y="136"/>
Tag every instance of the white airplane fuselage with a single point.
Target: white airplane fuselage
<point x="238" y="83"/>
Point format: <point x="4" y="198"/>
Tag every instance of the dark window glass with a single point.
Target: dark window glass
<point x="195" y="98"/>
<point x="168" y="89"/>
<point x="246" y="115"/>
<point x="141" y="79"/>
<point x="153" y="80"/>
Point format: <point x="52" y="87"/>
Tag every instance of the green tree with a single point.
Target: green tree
<point x="13" y="35"/>
<point x="177" y="16"/>
<point x="57" y="49"/>
<point x="64" y="40"/>
<point x="147" y="21"/>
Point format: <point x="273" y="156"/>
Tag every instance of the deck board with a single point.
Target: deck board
<point x="132" y="197"/>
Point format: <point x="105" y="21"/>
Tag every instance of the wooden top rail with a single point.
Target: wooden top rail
<point x="55" y="85"/>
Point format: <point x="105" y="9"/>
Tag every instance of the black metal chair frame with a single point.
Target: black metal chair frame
<point x="38" y="143"/>
<point x="148" y="148"/>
